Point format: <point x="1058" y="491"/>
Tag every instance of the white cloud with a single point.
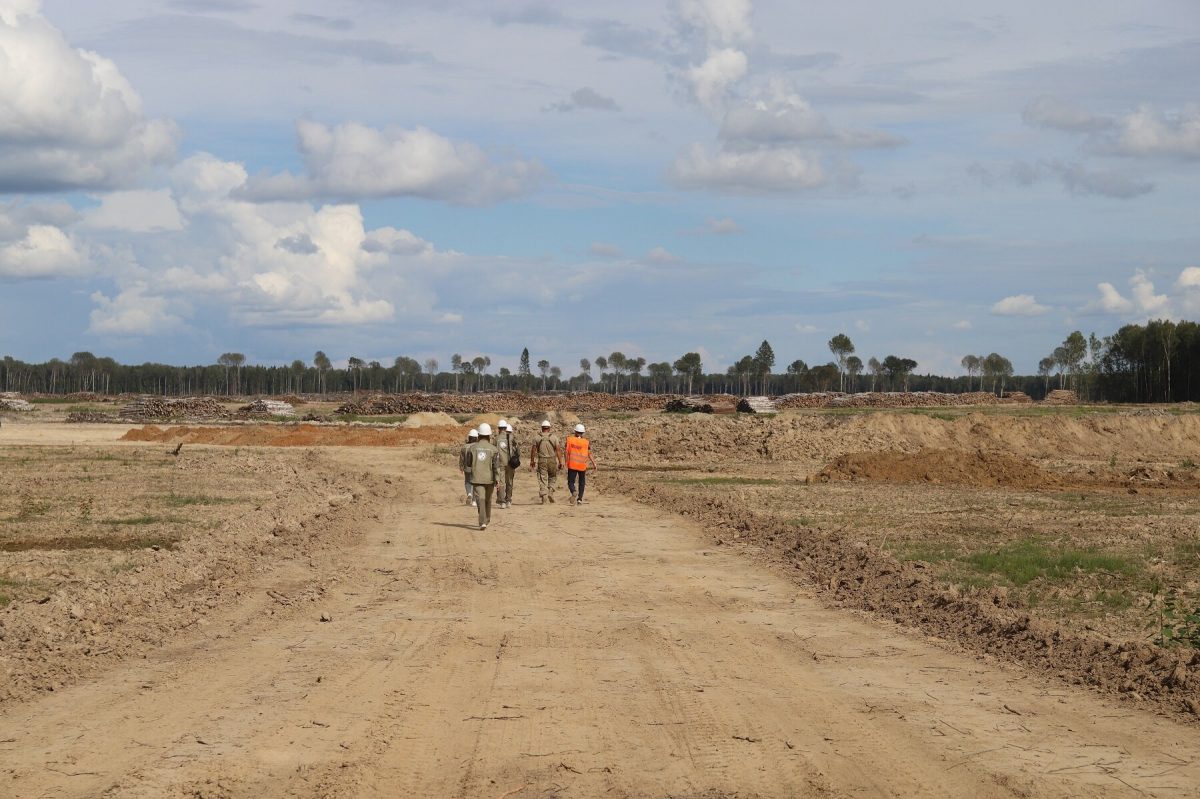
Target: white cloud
<point x="660" y="255"/>
<point x="712" y="79"/>
<point x="1145" y="132"/>
<point x="1144" y="297"/>
<point x="44" y="251"/>
<point x="133" y="312"/>
<point x="68" y="118"/>
<point x="1144" y="302"/>
<point x="1019" y="305"/>
<point x="357" y="161"/>
<point x="752" y="171"/>
<point x="863" y="325"/>
<point x="778" y="115"/>
<point x="1189" y="278"/>
<point x="450" y="318"/>
<point x="1111" y="300"/>
<point x="397" y="242"/>
<point x="721" y="227"/>
<point x="806" y="329"/>
<point x="724" y="22"/>
<point x="135" y="212"/>
<point x="962" y="324"/>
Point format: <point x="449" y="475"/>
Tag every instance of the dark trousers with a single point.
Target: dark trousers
<point x="572" y="475"/>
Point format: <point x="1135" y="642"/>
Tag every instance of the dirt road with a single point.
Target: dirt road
<point x="607" y="650"/>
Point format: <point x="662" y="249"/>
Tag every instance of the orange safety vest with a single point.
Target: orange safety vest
<point x="577" y="453"/>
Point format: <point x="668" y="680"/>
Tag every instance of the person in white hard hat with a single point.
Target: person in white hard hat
<point x="472" y="437"/>
<point x="482" y="463"/>
<point x="510" y="459"/>
<point x="579" y="456"/>
<point x="545" y="457"/>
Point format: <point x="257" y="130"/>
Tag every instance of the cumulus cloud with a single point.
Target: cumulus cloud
<point x="395" y="241"/>
<point x="1189" y="278"/>
<point x="1144" y="301"/>
<point x="584" y="99"/>
<point x="752" y="171"/>
<point x="1111" y="300"/>
<point x="661" y="255"/>
<point x="1019" y="305"/>
<point x="778" y="115"/>
<point x="132" y="312"/>
<point x="137" y="211"/>
<point x="962" y="324"/>
<point x="723" y="22"/>
<point x="712" y="79"/>
<point x="720" y="227"/>
<point x="43" y="251"/>
<point x="1142" y="132"/>
<point x="269" y="264"/>
<point x="357" y="161"/>
<point x="68" y="118"/>
<point x="1145" y="132"/>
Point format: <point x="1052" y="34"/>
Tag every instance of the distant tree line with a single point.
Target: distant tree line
<point x="1156" y="362"/>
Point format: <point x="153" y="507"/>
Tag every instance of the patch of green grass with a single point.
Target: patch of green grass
<point x="725" y="481"/>
<point x="1021" y="562"/>
<point x="1187" y="463"/>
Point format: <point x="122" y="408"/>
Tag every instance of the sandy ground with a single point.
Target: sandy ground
<point x="602" y="650"/>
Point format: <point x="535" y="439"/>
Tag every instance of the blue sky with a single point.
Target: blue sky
<point x="184" y="178"/>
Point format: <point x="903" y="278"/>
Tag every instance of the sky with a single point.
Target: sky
<point x="377" y="178"/>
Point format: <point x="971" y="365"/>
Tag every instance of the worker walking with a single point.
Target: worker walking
<point x="545" y="456"/>
<point x="472" y="437"/>
<point x="482" y="462"/>
<point x="579" y="456"/>
<point x="510" y="459"/>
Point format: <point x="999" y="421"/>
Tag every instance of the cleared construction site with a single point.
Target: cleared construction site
<point x="807" y="595"/>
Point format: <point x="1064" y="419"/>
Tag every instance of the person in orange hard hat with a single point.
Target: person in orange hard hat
<point x="578" y="453"/>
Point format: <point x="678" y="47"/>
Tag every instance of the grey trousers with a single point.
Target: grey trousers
<point x="505" y="487"/>
<point x="483" y="499"/>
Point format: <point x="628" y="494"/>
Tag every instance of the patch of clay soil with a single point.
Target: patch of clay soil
<point x="993" y="469"/>
<point x="940" y="466"/>
<point x="304" y="435"/>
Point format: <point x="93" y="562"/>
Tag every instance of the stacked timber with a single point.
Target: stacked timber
<point x="718" y="403"/>
<point x="262" y="408"/>
<point x="148" y="407"/>
<point x="757" y="405"/>
<point x="11" y="401"/>
<point x="1061" y="397"/>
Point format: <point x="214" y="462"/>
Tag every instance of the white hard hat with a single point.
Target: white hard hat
<point x="503" y="424"/>
<point x="473" y="434"/>
<point x="485" y="429"/>
<point x="545" y="423"/>
<point x="579" y="428"/>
